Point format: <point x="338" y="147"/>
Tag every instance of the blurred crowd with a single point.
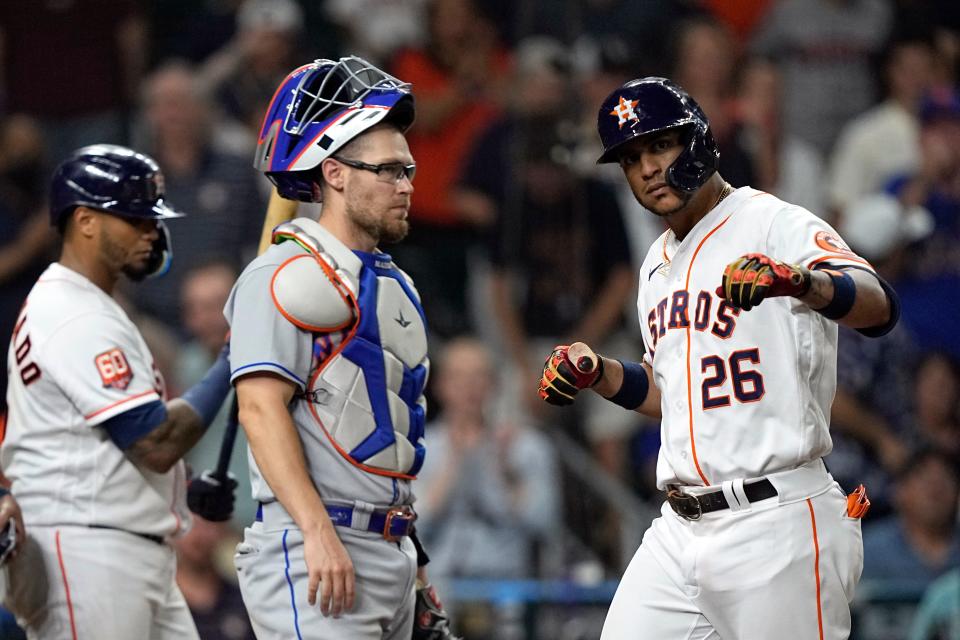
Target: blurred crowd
<point x="520" y="241"/>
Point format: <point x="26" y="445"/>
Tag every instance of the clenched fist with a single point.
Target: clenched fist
<point x="750" y="279"/>
<point x="563" y="378"/>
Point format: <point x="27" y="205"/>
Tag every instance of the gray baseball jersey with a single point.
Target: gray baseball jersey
<point x="359" y="413"/>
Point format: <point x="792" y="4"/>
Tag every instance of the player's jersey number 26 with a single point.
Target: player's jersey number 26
<point x="731" y="376"/>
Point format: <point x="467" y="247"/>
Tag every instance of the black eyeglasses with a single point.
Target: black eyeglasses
<point x="389" y="172"/>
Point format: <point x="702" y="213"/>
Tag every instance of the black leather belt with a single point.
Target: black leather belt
<point x="693" y="507"/>
<point x="149" y="536"/>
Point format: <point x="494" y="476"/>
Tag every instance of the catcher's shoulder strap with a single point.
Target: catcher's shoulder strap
<point x="315" y="289"/>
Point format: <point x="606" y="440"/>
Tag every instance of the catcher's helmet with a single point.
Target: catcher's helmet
<point x="109" y="178"/>
<point x="650" y="105"/>
<point x="316" y="110"/>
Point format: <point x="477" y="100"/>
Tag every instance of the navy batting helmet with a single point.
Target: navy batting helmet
<point x="109" y="178"/>
<point x="650" y="105"/>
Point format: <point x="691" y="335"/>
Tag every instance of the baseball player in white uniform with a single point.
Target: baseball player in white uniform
<point x="329" y="359"/>
<point x="755" y="540"/>
<point x="91" y="446"/>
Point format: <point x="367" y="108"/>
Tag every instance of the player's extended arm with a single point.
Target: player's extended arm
<point x="570" y="369"/>
<point x="276" y="447"/>
<point x="852" y="297"/>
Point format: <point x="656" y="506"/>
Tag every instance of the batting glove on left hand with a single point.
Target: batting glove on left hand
<point x="562" y="379"/>
<point x="750" y="279"/>
<point x="211" y="497"/>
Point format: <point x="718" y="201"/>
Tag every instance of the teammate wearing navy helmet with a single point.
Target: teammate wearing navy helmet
<point x="739" y="302"/>
<point x="92" y="445"/>
<point x="329" y="359"/>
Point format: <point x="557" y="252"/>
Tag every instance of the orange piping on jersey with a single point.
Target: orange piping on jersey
<point x="852" y="258"/>
<point x="66" y="587"/>
<point x="334" y="279"/>
<point x="816" y="565"/>
<point x="686" y="287"/>
<point x="119" y="402"/>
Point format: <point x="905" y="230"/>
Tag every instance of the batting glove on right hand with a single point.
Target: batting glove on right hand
<point x="754" y="277"/>
<point x="212" y="497"/>
<point x="562" y="379"/>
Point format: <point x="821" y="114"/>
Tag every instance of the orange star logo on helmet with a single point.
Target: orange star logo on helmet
<point x="624" y="111"/>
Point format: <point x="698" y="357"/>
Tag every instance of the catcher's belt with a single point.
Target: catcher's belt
<point x="692" y="507"/>
<point x="392" y="523"/>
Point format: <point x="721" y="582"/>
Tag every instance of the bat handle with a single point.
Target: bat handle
<point x="583" y="357"/>
<point x="229" y="437"/>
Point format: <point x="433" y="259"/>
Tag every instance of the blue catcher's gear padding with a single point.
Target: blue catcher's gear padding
<point x="316" y="110"/>
<point x="109" y="178"/>
<point x="651" y="105"/>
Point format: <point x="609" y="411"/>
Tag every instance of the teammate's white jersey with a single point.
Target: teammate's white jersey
<point x="731" y="409"/>
<point x="75" y="361"/>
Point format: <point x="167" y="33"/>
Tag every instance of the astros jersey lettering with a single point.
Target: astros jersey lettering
<point x="731" y="409"/>
<point x="75" y="361"/>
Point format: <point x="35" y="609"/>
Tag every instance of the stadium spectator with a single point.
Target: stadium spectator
<point x="928" y="202"/>
<point x="781" y="163"/>
<point x="244" y="73"/>
<point x="921" y="540"/>
<point x="214" y="183"/>
<point x="824" y="49"/>
<point x="202" y="298"/>
<point x="459" y="77"/>
<point x="490" y="486"/>
<point x="703" y="62"/>
<point x="884" y="141"/>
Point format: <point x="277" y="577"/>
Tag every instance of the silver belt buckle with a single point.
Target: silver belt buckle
<point x="686" y="506"/>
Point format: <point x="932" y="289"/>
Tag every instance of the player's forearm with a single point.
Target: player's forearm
<point x="160" y="449"/>
<point x="279" y="454"/>
<point x="871" y="306"/>
<point x="612" y="381"/>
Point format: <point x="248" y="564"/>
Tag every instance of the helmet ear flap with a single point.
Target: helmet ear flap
<point x="697" y="162"/>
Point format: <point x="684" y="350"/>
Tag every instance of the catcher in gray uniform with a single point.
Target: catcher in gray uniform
<point x="329" y="359"/>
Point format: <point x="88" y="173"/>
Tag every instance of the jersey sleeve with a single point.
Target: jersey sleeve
<point x="799" y="237"/>
<point x="261" y="339"/>
<point x="99" y="364"/>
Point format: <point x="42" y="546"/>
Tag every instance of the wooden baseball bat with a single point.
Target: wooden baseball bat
<point x="583" y="357"/>
<point x="279" y="210"/>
